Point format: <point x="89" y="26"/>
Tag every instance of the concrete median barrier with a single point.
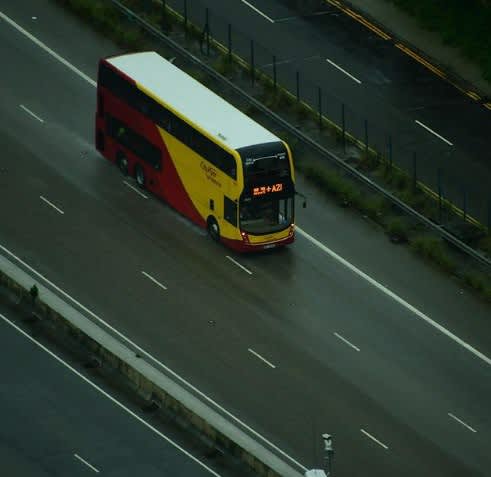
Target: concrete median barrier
<point x="151" y="383"/>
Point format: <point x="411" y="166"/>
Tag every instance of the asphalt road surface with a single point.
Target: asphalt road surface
<point x="421" y="116"/>
<point x="55" y="423"/>
<point x="300" y="346"/>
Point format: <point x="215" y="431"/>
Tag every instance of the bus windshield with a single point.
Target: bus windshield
<point x="265" y="215"/>
<point x="267" y="165"/>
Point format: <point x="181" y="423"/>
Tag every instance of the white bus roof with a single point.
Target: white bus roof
<point x="194" y="101"/>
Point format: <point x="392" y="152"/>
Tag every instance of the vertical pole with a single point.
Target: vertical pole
<point x="489" y="216"/>
<point x="366" y="137"/>
<point x="343" y="126"/>
<point x="298" y="85"/>
<point x="274" y="72"/>
<point x="319" y="97"/>
<point x="390" y="151"/>
<point x="164" y="17"/>
<point x="465" y="204"/>
<point x="230" y="42"/>
<point x="439" y="195"/>
<point x="207" y="32"/>
<point x="415" y="174"/>
<point x="186" y="15"/>
<point x="252" y="62"/>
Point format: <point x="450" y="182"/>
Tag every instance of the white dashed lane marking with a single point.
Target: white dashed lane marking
<point x="381" y="444"/>
<point x="51" y="204"/>
<point x="154" y="280"/>
<point x="239" y="265"/>
<point x="461" y="422"/>
<point x="86" y="463"/>
<point x="257" y="355"/>
<point x="28" y="111"/>
<point x="349" y="75"/>
<point x="419" y="123"/>
<point x="127" y="184"/>
<point x="337" y="335"/>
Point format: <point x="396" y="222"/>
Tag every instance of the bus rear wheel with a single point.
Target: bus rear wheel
<point x="122" y="163"/>
<point x="213" y="229"/>
<point x="140" y="176"/>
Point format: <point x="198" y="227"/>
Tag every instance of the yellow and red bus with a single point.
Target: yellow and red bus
<point x="189" y="146"/>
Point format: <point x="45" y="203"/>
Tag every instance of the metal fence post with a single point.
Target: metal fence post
<point x="186" y="15"/>
<point x="274" y="72"/>
<point x="465" y="204"/>
<point x="252" y="62"/>
<point x="439" y="195"/>
<point x="415" y="176"/>
<point x="230" y="42"/>
<point x="343" y="125"/>
<point x="163" y="25"/>
<point x="319" y="92"/>
<point x="298" y="85"/>
<point x="207" y="31"/>
<point x="390" y="151"/>
<point x="366" y="137"/>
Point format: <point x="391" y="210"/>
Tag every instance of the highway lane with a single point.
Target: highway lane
<point x="84" y="262"/>
<point x="55" y="423"/>
<point x="397" y="95"/>
<point x="181" y="339"/>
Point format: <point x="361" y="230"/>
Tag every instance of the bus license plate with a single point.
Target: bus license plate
<point x="269" y="245"/>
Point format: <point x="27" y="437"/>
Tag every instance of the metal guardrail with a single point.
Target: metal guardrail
<point x="439" y="230"/>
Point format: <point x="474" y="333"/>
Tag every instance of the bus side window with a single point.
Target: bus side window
<point x="230" y="211"/>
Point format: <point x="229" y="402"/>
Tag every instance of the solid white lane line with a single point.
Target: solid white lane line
<point x="257" y="355"/>
<point x="346" y="341"/>
<point x="28" y="111"/>
<point x="47" y="49"/>
<point x="381" y="444"/>
<point x="135" y="189"/>
<point x="154" y="280"/>
<point x="51" y="204"/>
<point x="395" y="297"/>
<point x="462" y="422"/>
<point x="433" y="132"/>
<point x="155" y="360"/>
<point x="343" y="71"/>
<point x="239" y="265"/>
<point x="107" y="395"/>
<point x="86" y="463"/>
<point x="257" y="10"/>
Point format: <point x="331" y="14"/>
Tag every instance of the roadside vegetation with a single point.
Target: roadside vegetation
<point x="332" y="180"/>
<point x="461" y="24"/>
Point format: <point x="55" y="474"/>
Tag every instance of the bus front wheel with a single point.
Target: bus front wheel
<point x="213" y="229"/>
<point x="140" y="176"/>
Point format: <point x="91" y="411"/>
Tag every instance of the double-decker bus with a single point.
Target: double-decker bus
<point x="189" y="146"/>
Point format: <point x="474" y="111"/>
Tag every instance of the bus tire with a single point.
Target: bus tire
<point x="122" y="163"/>
<point x="140" y="176"/>
<point x="213" y="228"/>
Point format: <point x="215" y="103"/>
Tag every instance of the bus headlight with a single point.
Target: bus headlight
<point x="245" y="237"/>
